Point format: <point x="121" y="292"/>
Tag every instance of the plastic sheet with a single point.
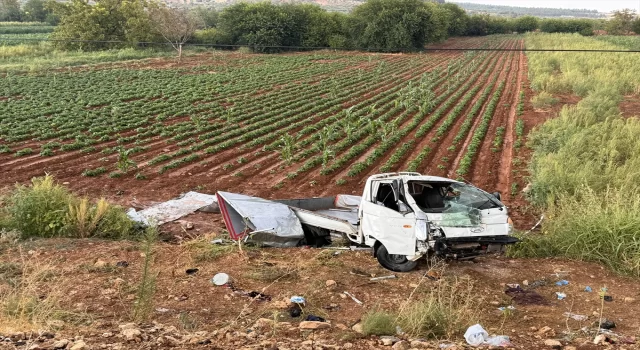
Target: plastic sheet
<point x="174" y="209"/>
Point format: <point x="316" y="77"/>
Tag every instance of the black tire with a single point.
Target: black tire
<point x="396" y="263"/>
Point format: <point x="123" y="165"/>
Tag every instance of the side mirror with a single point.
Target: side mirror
<point x="497" y="195"/>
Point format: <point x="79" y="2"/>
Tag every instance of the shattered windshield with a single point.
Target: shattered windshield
<point x="459" y="203"/>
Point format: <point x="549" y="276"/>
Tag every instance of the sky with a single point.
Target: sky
<point x="600" y="5"/>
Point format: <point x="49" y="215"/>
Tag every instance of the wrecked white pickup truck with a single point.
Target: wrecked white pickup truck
<point x="402" y="216"/>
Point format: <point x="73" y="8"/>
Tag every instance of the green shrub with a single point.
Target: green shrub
<point x="46" y="209"/>
<point x="597" y="226"/>
<point x="39" y="210"/>
<point x="543" y="100"/>
<point x="568" y="155"/>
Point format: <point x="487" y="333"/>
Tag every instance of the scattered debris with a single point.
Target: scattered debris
<point x="162" y="310"/>
<point x="354" y="298"/>
<point x="600" y="339"/>
<point x="608" y="298"/>
<point x="220" y="279"/>
<point x="562" y="283"/>
<point x="588" y="289"/>
<point x="605" y="324"/>
<point x="314" y="318"/>
<point x="252" y="294"/>
<point x="295" y="310"/>
<point x="359" y="273"/>
<point x="525" y="297"/>
<point x="188" y="225"/>
<point x="432" y="275"/>
<point x="122" y="264"/>
<point x="510" y="307"/>
<point x="297" y="300"/>
<point x="383" y="278"/>
<point x="217" y="241"/>
<point x="388" y="340"/>
<point x="629" y="300"/>
<point x="191" y="271"/>
<point x="174" y="209"/>
<point x="538" y="283"/>
<point x="561" y="295"/>
<point x="575" y="316"/>
<point x="476" y="336"/>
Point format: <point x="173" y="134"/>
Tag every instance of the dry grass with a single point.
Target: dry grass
<point x="84" y="219"/>
<point x="445" y="311"/>
<point x="440" y="309"/>
<point x="30" y="295"/>
<point x="272" y="273"/>
<point x="378" y="322"/>
<point x="202" y="250"/>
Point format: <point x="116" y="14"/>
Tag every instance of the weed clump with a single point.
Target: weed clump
<point x="378" y="322"/>
<point x="543" y="100"/>
<point x="592" y="226"/>
<point x="444" y="311"/>
<point x="46" y="209"/>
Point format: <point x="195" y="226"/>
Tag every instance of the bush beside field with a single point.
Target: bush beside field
<point x="47" y="209"/>
<point x="584" y="168"/>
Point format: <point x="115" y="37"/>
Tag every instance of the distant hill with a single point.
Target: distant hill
<point x="514" y="11"/>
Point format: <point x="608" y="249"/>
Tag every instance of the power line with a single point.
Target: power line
<point x="235" y="46"/>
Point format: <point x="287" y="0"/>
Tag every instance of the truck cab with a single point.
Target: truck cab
<point x="405" y="216"/>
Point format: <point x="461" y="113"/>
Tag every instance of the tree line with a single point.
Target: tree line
<point x="377" y="25"/>
<point x="30" y="11"/>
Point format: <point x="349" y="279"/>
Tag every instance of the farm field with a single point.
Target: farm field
<point x="275" y="126"/>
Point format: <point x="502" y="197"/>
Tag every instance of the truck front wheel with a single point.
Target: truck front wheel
<point x="393" y="262"/>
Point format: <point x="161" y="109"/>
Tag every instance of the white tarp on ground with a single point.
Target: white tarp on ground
<point x="276" y="223"/>
<point x="174" y="209"/>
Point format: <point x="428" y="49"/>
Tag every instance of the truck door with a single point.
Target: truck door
<point x="387" y="219"/>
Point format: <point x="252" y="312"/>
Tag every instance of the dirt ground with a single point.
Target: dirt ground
<point x="100" y="296"/>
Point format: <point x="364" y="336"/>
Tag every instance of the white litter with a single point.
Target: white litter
<point x="174" y="209"/>
<point x="220" y="279"/>
<point x="477" y="336"/>
<point x="354" y="298"/>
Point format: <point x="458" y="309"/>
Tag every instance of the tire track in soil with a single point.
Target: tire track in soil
<point x="439" y="151"/>
<point x="450" y="172"/>
<point x="484" y="171"/>
<point x="504" y="178"/>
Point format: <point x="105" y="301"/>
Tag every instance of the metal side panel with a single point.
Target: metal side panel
<point x="243" y="213"/>
<point x="324" y="221"/>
